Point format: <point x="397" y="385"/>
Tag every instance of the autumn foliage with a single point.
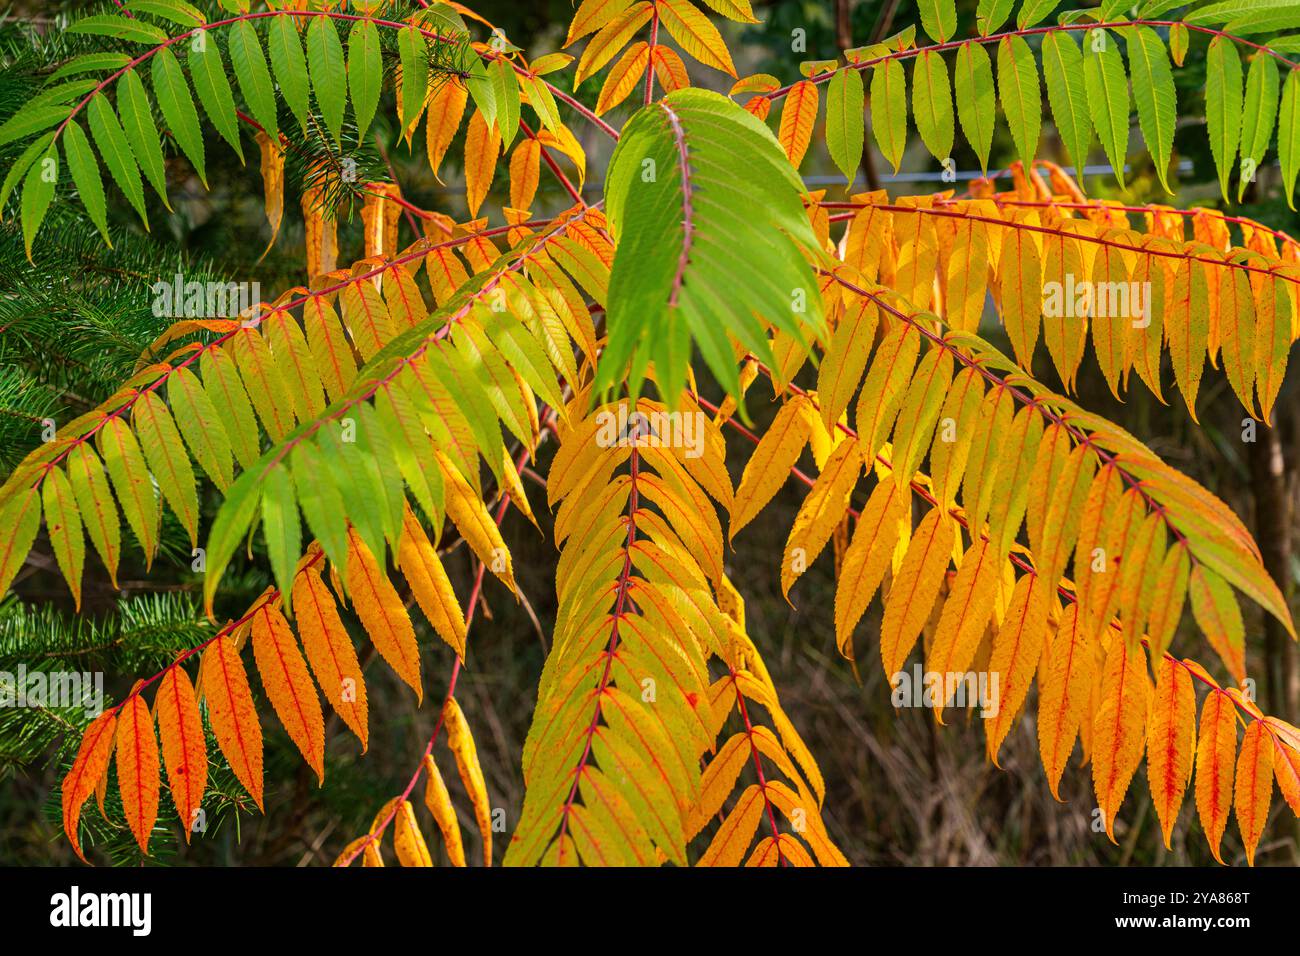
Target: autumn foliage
<point x="354" y="425"/>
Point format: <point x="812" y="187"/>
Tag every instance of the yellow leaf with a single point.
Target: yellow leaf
<point x="408" y="840"/>
<point x="467" y="512"/>
<point x="915" y="587"/>
<point x="438" y="800"/>
<point x="695" y="34"/>
<point x="462" y="746"/>
<point x="382" y="613"/>
<point x="429" y="583"/>
<point x="771" y="462"/>
<point x="822" y="510"/>
<point x="624" y="77"/>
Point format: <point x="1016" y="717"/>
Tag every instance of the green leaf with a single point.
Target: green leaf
<point x="32" y="118"/>
<point x="1288" y="135"/>
<point x="290" y="66"/>
<point x="1223" y="106"/>
<point x="1245" y="14"/>
<point x="415" y="72"/>
<point x="325" y="62"/>
<point x="939" y="18"/>
<point x="889" y="110"/>
<point x="321" y="503"/>
<point x="481" y="91"/>
<point x="115" y="151"/>
<point x="38" y="191"/>
<point x="24" y="161"/>
<point x="85" y="173"/>
<point x="1034" y="11"/>
<point x="123" y="28"/>
<point x="543" y="102"/>
<point x="230" y="526"/>
<point x="932" y="104"/>
<point x="364" y="73"/>
<point x="90" y="63"/>
<point x="1257" y="117"/>
<point x="505" y="92"/>
<point x="1153" y="89"/>
<point x="249" y="64"/>
<point x="175" y="11"/>
<point x="281" y="527"/>
<point x="209" y="76"/>
<point x="1067" y="93"/>
<point x="177" y="107"/>
<point x="976" y="98"/>
<point x="670" y="283"/>
<point x="845" y="121"/>
<point x="1021" y="99"/>
<point x="1153" y="8"/>
<point x="991" y="14"/>
<point x="141" y="131"/>
<point x="1107" y="87"/>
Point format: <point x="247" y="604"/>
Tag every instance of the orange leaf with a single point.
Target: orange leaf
<point x="624" y="77"/>
<point x="1286" y="766"/>
<point x="669" y="69"/>
<point x="184" y="752"/>
<point x="382" y="613"/>
<point x="482" y="147"/>
<point x="89" y="766"/>
<point x="288" y="685"/>
<point x="1063" y="695"/>
<point x="1171" y="741"/>
<point x="137" y="768"/>
<point x="1215" y="752"/>
<point x="1119" y="727"/>
<point x="232" y="714"/>
<point x="446" y="108"/>
<point x="524" y="170"/>
<point x="1254" y="791"/>
<point x="798" y="116"/>
<point x="330" y="653"/>
<point x="272" y="183"/>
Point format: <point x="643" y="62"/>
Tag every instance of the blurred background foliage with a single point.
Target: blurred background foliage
<point x="899" y="790"/>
